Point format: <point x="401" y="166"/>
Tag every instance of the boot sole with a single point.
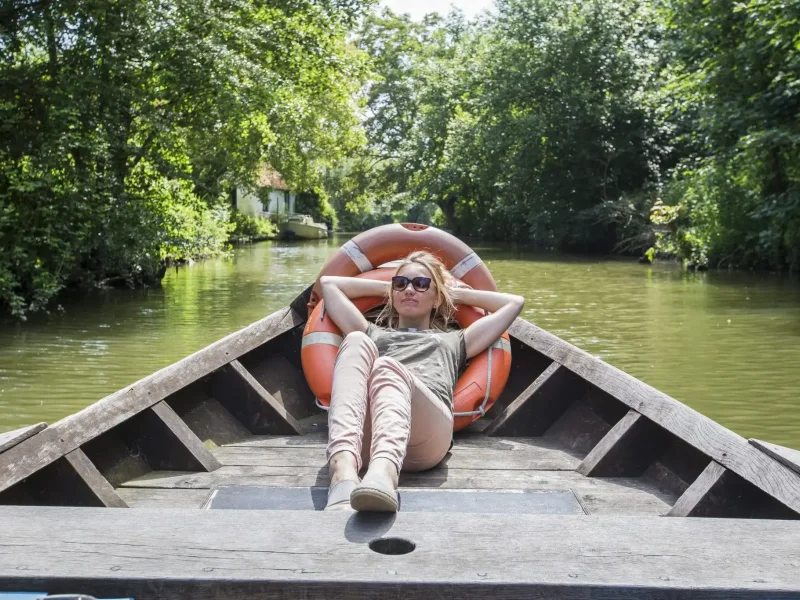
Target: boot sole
<point x="367" y="499"/>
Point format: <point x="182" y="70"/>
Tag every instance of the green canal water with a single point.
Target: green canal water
<point x="726" y="344"/>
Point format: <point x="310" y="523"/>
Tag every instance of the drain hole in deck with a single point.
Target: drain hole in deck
<point x="392" y="546"/>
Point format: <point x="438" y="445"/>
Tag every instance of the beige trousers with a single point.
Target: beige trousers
<point x="378" y="400"/>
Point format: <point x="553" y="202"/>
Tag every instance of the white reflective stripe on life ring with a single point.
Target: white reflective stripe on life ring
<point x="503" y="344"/>
<point x="357" y="256"/>
<point x="465" y="265"/>
<point x="322" y="337"/>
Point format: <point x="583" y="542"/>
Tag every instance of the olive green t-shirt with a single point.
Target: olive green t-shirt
<point x="435" y="357"/>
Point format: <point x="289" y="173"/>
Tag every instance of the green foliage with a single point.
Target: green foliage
<point x="124" y="124"/>
<point x="315" y="203"/>
<point x="738" y="68"/>
<point x="251" y="228"/>
<point x="511" y="127"/>
<point x="670" y="127"/>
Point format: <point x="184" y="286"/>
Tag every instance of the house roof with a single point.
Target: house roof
<point x="270" y="178"/>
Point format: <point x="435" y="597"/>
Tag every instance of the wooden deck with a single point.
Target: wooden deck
<point x="476" y="461"/>
<point x="158" y="554"/>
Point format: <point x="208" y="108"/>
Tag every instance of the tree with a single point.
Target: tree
<point x="124" y="124"/>
<point x="738" y="193"/>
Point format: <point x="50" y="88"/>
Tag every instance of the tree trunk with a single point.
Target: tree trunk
<point x="448" y="206"/>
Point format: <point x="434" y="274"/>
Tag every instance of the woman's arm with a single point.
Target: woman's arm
<point x="486" y="331"/>
<point x="337" y="292"/>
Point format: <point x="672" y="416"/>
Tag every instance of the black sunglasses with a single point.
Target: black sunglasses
<point x="400" y="282"/>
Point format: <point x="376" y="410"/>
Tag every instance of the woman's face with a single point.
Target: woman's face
<point x="410" y="302"/>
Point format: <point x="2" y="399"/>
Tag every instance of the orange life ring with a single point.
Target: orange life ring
<point x="374" y="247"/>
<point x="490" y="369"/>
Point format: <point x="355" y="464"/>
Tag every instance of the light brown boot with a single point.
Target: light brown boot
<point x="377" y="492"/>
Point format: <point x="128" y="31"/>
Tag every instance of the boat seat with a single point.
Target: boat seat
<point x="253" y="497"/>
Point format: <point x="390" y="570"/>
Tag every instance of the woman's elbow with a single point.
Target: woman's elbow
<point x="518" y="302"/>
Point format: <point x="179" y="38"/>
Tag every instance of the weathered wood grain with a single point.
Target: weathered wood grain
<point x="627" y="449"/>
<point x="204" y="555"/>
<point x="597" y="495"/>
<point x="12" y="438"/>
<point x="246" y="399"/>
<point x="154" y="439"/>
<point x="786" y="456"/>
<point x="600" y="453"/>
<point x="162" y="498"/>
<point x="526" y="365"/>
<point x="316" y="423"/>
<point x="584" y="422"/>
<point x="697" y="492"/>
<point x="207" y="418"/>
<point x="461" y="440"/>
<point x="72" y="480"/>
<point x="68" y="434"/>
<point x="309" y="440"/>
<point x="677" y="467"/>
<point x="722" y="445"/>
<point x="459" y="457"/>
<point x="93" y="479"/>
<point x="272" y="365"/>
<point x="185" y="436"/>
<point x="537" y="407"/>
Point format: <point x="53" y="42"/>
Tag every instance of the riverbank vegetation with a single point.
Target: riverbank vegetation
<point x="124" y="126"/>
<point x="666" y="128"/>
<point x="656" y="128"/>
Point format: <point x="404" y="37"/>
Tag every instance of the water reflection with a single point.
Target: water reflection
<point x="727" y="344"/>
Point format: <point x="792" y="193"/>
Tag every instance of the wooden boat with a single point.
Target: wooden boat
<point x="571" y="487"/>
<point x="303" y="227"/>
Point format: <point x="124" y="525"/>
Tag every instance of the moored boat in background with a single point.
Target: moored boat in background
<point x="302" y="227"/>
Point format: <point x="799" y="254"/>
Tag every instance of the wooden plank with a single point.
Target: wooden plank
<point x="273" y="367"/>
<point x="619" y="495"/>
<point x="12" y="438"/>
<point x="161" y="498"/>
<point x="317" y="439"/>
<point x="676" y="468"/>
<point x="72" y="432"/>
<point x="599" y="455"/>
<point x="527" y="364"/>
<point x="207" y="418"/>
<point x="471" y="503"/>
<point x="537" y="407"/>
<point x="317" y="555"/>
<point x="185" y="436"/>
<point x="247" y="400"/>
<point x="698" y="491"/>
<point x="584" y="422"/>
<point x="786" y="456"/>
<point x="94" y="480"/>
<point x="627" y="449"/>
<point x="461" y="440"/>
<point x="314" y="424"/>
<point x="460" y="457"/>
<point x="722" y="445"/>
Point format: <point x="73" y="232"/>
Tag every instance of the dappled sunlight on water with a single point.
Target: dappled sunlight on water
<point x="727" y="344"/>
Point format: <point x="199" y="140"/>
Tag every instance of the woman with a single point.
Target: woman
<point x="393" y="387"/>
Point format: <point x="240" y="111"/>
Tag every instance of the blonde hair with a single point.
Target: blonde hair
<point x="444" y="308"/>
